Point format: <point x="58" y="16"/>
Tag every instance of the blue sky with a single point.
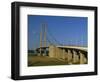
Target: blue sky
<point x="66" y="30"/>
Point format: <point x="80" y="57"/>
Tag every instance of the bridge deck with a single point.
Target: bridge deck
<point x="73" y="47"/>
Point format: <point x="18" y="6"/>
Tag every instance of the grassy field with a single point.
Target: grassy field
<point x="44" y="61"/>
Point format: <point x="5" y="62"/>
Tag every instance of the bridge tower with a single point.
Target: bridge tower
<point x="43" y="41"/>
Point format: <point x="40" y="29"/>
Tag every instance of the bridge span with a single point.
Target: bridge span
<point x="72" y="54"/>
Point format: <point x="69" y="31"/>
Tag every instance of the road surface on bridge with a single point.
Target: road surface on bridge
<point x="74" y="47"/>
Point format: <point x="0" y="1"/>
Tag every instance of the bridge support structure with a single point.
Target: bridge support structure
<point x="70" y="55"/>
<point x="43" y="42"/>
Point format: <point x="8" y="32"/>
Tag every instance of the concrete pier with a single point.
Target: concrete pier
<point x="71" y="56"/>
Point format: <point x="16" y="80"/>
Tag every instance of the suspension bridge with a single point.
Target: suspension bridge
<point x="51" y="47"/>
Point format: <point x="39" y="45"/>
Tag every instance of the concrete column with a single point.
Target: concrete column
<point x="52" y="49"/>
<point x="75" y="57"/>
<point x="66" y="56"/>
<point x="69" y="57"/>
<point x="44" y="54"/>
<point x="58" y="53"/>
<point x="39" y="54"/>
<point x="63" y="54"/>
<point x="83" y="59"/>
